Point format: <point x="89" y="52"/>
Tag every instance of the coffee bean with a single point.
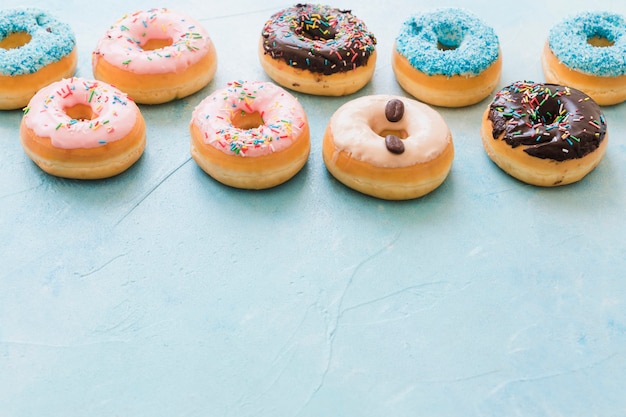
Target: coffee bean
<point x="394" y="110"/>
<point x="394" y="144"/>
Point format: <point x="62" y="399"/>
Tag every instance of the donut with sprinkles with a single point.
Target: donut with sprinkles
<point x="318" y="49"/>
<point x="250" y="134"/>
<point x="544" y="134"/>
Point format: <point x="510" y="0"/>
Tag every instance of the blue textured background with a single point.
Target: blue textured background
<point x="161" y="292"/>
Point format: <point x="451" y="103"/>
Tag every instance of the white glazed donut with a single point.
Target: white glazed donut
<point x="388" y="147"/>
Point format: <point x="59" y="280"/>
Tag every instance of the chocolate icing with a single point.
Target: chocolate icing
<point x="318" y="38"/>
<point x="549" y="120"/>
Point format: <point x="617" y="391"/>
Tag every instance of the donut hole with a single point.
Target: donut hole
<point x="15" y="40"/>
<point x="402" y="134"/>
<point x="599" y="41"/>
<point x="549" y="113"/>
<point x="449" y="37"/>
<point x="80" y="112"/>
<point x="316" y="27"/>
<point x="243" y="120"/>
<point x="443" y="47"/>
<point x="154" y="44"/>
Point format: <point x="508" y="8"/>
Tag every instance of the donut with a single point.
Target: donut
<point x="388" y="147"/>
<point x="155" y="56"/>
<point x="544" y="134"/>
<point x="447" y="57"/>
<point x="250" y="134"/>
<point x="317" y="49"/>
<point x="36" y="49"/>
<point x="82" y="129"/>
<point x="588" y="52"/>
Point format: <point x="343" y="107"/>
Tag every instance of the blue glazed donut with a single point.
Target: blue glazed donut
<point x="588" y="51"/>
<point x="448" y="42"/>
<point x="32" y="43"/>
<point x="569" y="42"/>
<point x="451" y="43"/>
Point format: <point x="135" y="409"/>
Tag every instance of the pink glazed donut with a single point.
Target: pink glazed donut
<point x="155" y="56"/>
<point x="250" y="135"/>
<point x="83" y="129"/>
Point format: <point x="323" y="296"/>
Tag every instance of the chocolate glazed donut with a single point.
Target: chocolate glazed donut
<point x="549" y="120"/>
<point x="318" y="38"/>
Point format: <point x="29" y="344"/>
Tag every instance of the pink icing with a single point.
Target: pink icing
<point x="283" y="118"/>
<point x="122" y="45"/>
<point x="114" y="114"/>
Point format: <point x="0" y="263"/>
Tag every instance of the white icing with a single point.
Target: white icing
<point x="356" y="128"/>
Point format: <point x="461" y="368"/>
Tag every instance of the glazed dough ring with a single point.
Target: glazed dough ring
<point x="356" y="149"/>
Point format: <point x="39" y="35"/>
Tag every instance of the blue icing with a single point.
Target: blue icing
<point x="51" y="40"/>
<point x="448" y="42"/>
<point x="568" y="41"/>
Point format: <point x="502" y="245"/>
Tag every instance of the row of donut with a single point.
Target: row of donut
<point x="446" y="57"/>
<point x="255" y="135"/>
<point x="88" y="129"/>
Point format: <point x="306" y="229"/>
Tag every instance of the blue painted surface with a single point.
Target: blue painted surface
<point x="163" y="293"/>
